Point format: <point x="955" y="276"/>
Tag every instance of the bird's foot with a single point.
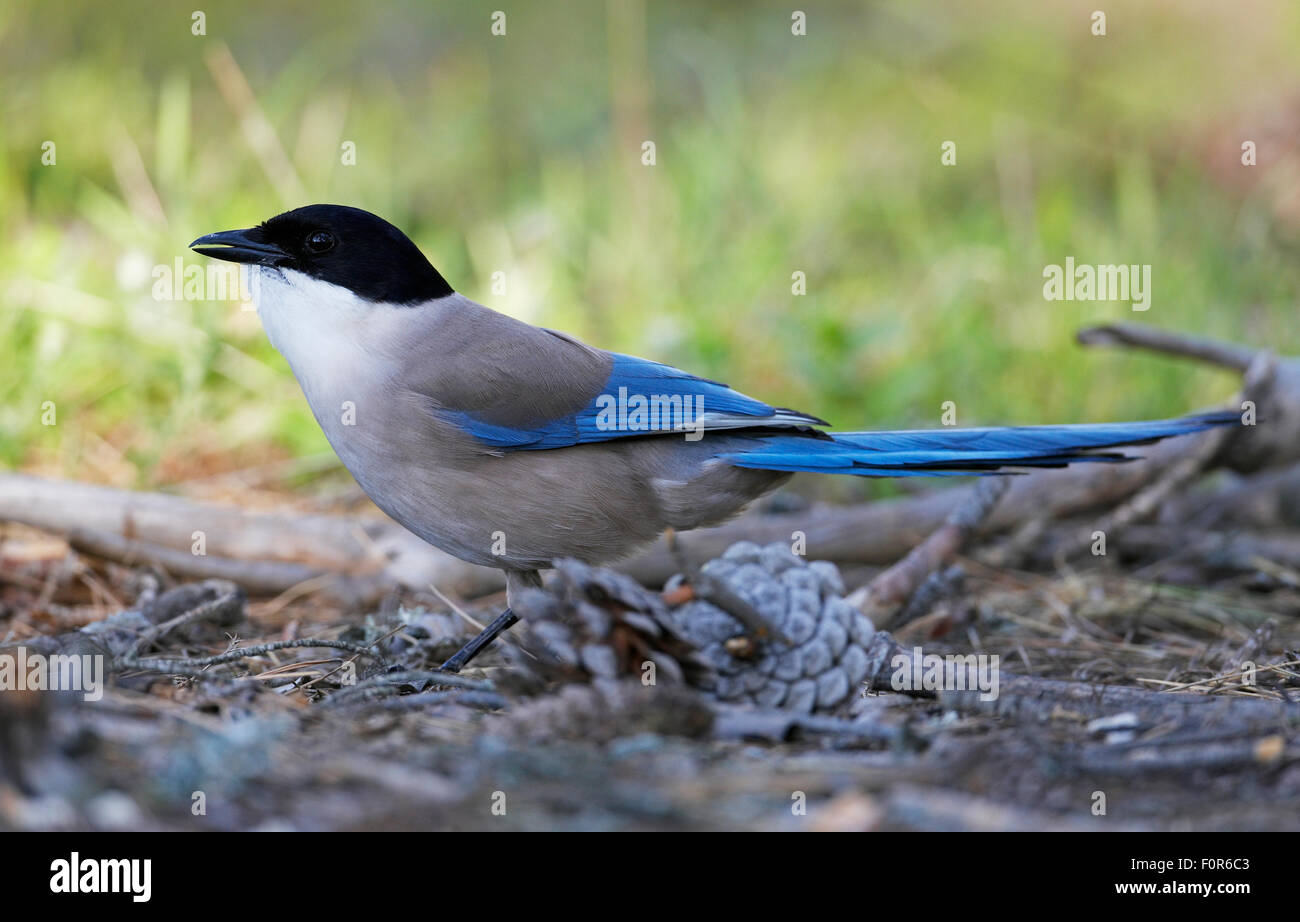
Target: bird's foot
<point x="472" y="649"/>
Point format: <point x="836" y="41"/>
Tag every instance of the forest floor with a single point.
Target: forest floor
<point x="365" y="734"/>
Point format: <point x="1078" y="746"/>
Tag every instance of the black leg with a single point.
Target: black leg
<point x="486" y="636"/>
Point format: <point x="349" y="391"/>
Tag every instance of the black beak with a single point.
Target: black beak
<point x="241" y="246"/>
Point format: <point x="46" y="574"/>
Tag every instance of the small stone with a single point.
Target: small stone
<point x="753" y="680"/>
<point x="766" y="664"/>
<point x="816" y="657"/>
<point x="832" y="688"/>
<point x="802" y="696"/>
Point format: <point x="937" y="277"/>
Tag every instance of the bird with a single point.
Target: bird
<point x="512" y="445"/>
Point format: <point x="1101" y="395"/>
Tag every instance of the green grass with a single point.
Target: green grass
<point x="522" y="154"/>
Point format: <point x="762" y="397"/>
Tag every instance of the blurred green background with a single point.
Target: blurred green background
<point x="522" y="154"/>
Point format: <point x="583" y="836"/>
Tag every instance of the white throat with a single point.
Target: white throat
<point x="302" y="315"/>
<point x="333" y="340"/>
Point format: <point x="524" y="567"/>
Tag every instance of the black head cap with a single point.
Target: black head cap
<point x="334" y="243"/>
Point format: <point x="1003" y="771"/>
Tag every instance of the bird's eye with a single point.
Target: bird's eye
<point x="320" y="242"/>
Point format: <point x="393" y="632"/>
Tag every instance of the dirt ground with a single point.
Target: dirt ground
<point x="1124" y="704"/>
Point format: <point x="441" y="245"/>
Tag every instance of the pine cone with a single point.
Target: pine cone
<point x="599" y="624"/>
<point x="824" y="649"/>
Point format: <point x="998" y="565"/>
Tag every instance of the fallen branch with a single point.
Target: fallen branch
<point x="179" y="665"/>
<point x="1169" y="342"/>
<point x="884" y="598"/>
<point x="357" y="561"/>
<point x="1145" y="503"/>
<point x="1275" y="390"/>
<point x="1029" y="698"/>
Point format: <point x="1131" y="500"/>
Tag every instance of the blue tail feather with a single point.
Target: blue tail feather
<point x="954" y="452"/>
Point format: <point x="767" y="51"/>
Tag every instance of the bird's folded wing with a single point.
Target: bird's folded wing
<point x="538" y="389"/>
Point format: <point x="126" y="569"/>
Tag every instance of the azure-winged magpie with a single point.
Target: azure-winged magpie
<point x="511" y="445"/>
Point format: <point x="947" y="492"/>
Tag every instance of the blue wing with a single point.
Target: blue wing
<point x="639" y="398"/>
